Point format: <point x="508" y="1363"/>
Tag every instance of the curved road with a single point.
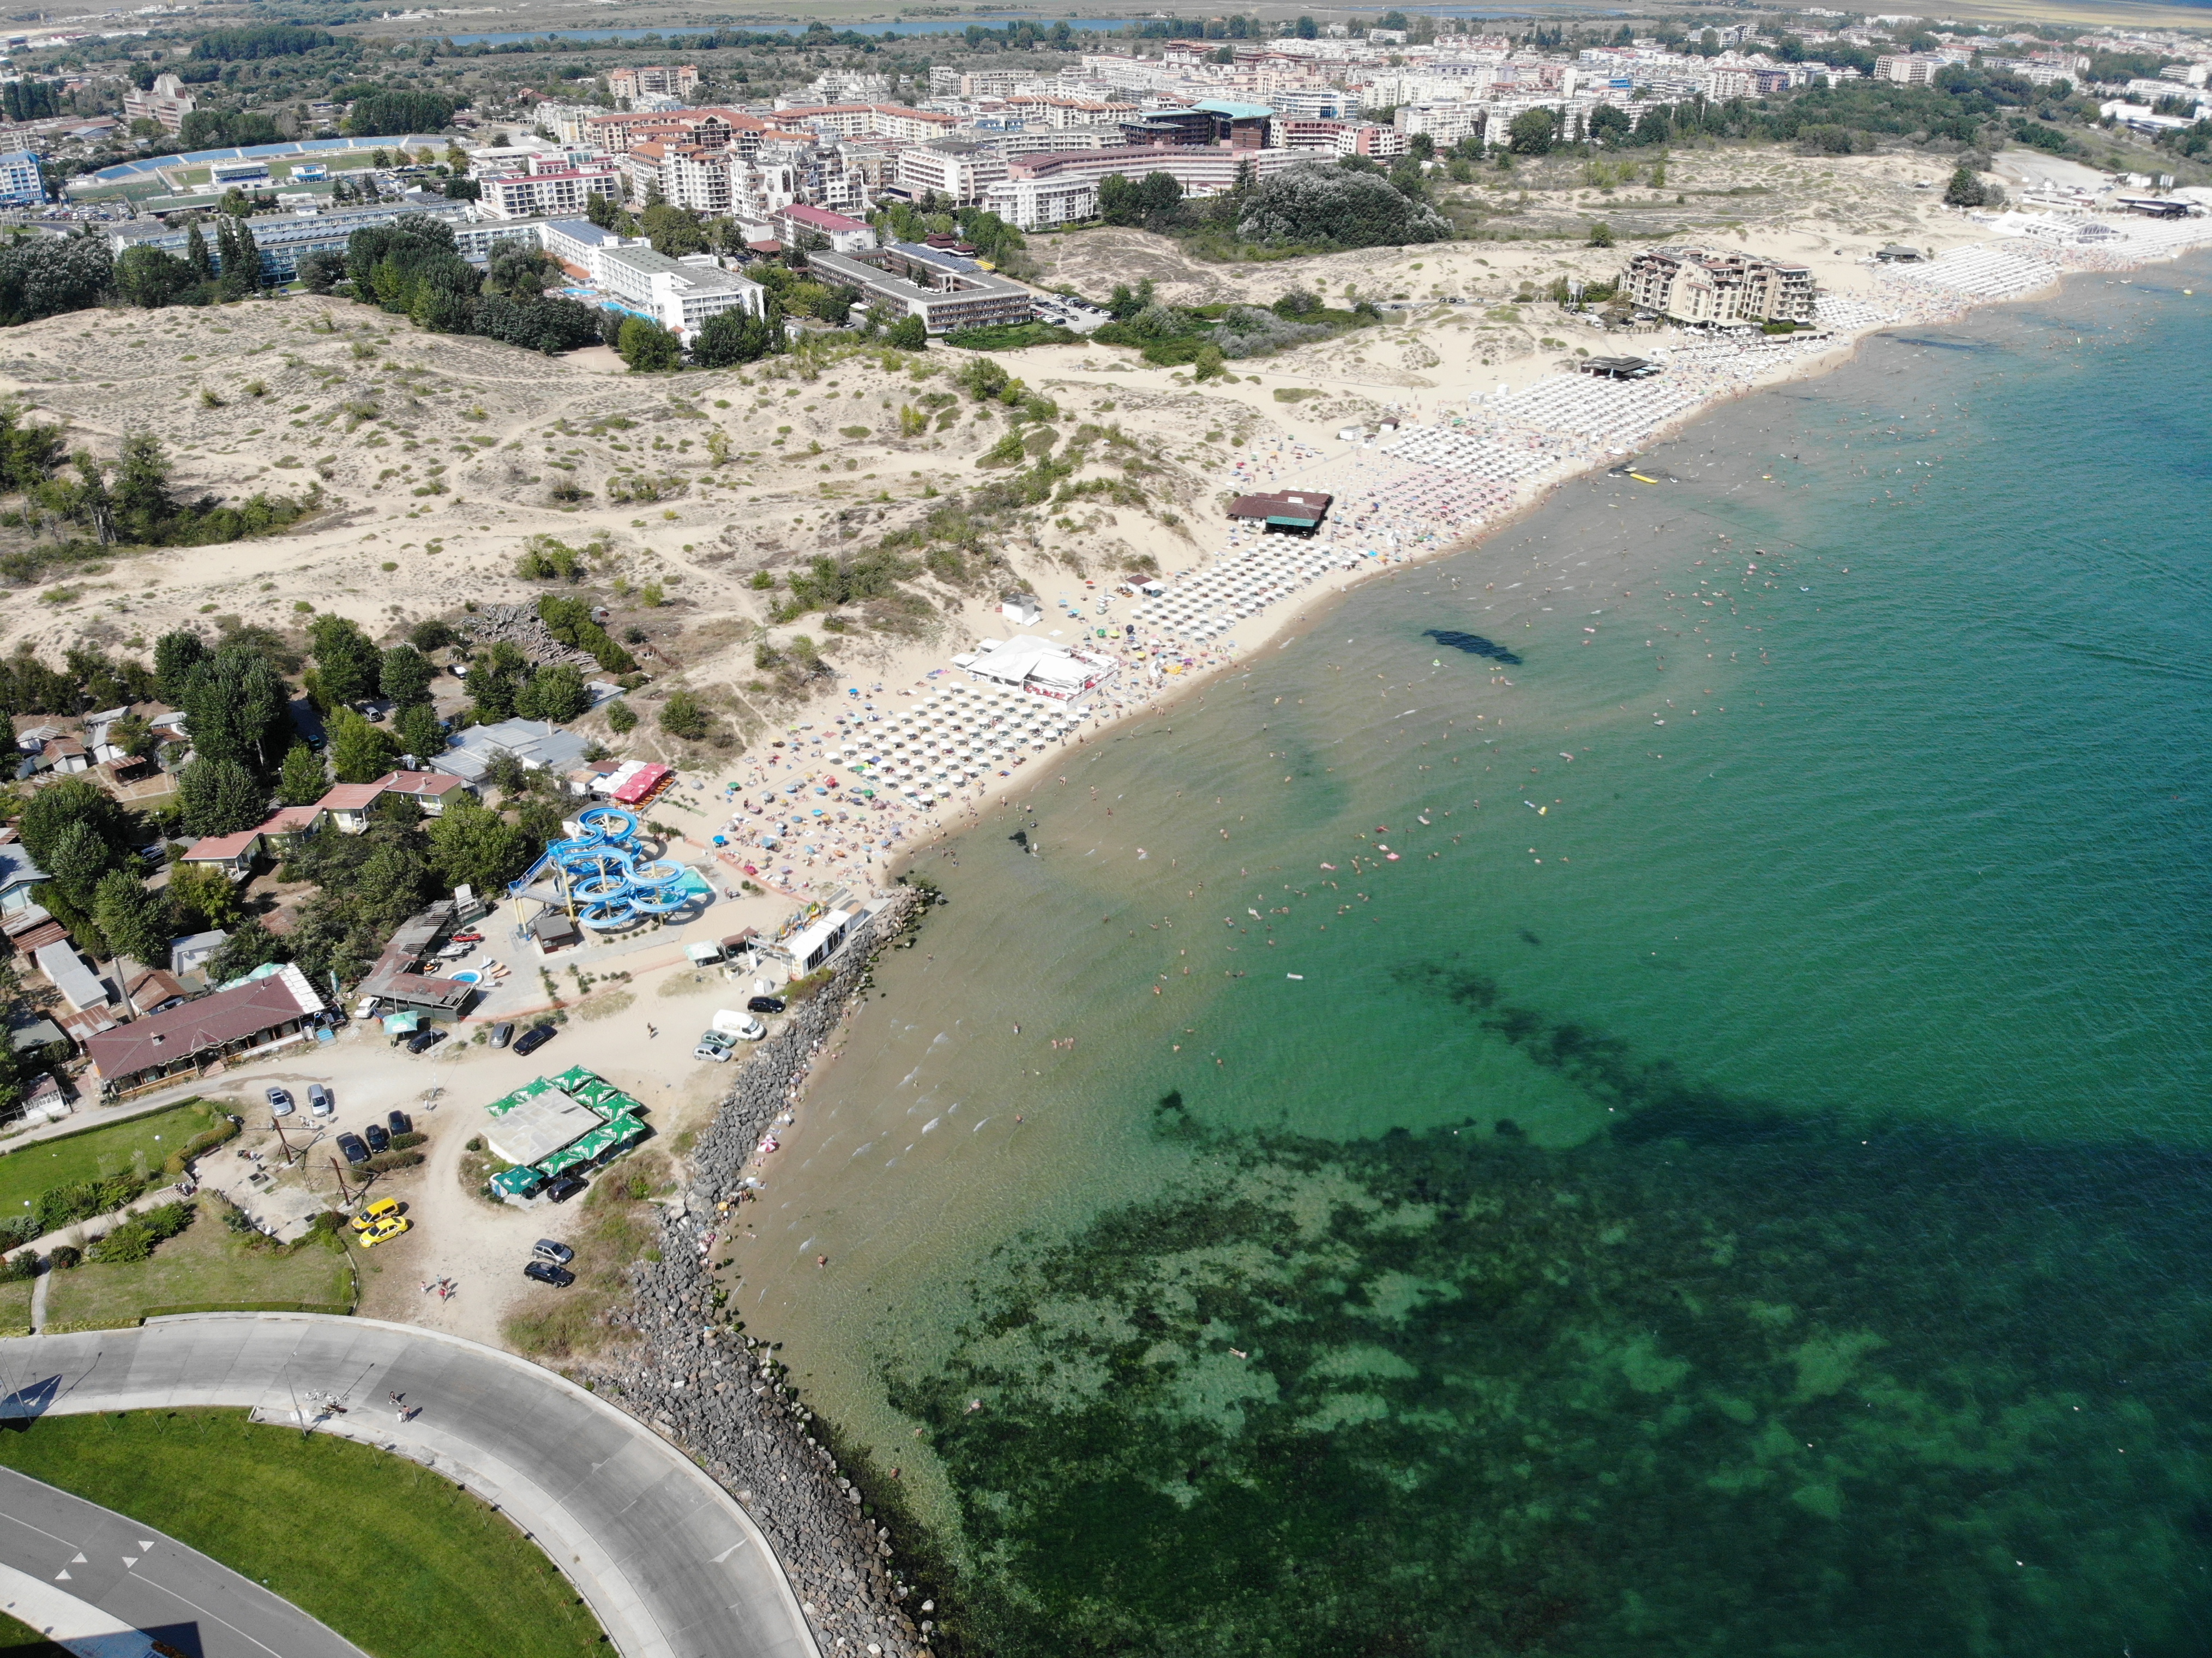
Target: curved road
<point x="672" y="1566"/>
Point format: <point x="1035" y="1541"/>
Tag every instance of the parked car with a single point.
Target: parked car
<point x="534" y="1038"/>
<point x="765" y="1004"/>
<point x="353" y="1150"/>
<point x="366" y="1008"/>
<point x="382" y="1209"/>
<point x="564" y="1188"/>
<point x="319" y="1101"/>
<point x="399" y="1123"/>
<point x="559" y="1253"/>
<point x="472" y="937"/>
<point x="385" y="1231"/>
<point x="423" y="1040"/>
<point x="280" y="1102"/>
<point x="546" y="1273"/>
<point x="501" y="1034"/>
<point x="378" y="1139"/>
<point x="731" y="1023"/>
<point x="712" y="1046"/>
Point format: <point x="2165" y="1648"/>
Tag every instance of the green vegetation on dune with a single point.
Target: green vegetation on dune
<point x="391" y="1556"/>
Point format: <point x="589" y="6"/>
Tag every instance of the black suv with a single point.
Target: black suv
<point x="765" y="1004"/>
<point x="379" y="1141"/>
<point x="533" y="1039"/>
<point x="396" y="1121"/>
<point x="353" y="1150"/>
<point x="546" y="1273"/>
<point x="565" y="1188"/>
<point x="423" y="1040"/>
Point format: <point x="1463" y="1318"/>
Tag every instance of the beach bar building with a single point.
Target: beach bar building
<point x="1283" y="512"/>
<point x="1036" y="667"/>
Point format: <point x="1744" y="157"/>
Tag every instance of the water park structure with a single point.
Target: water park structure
<point x="604" y="880"/>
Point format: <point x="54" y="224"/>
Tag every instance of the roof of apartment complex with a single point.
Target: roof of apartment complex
<point x="931" y="282"/>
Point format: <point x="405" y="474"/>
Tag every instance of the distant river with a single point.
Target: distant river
<point x="1734" y="1176"/>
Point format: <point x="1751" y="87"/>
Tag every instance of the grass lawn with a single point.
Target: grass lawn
<point x="388" y="1554"/>
<point x="205" y="1268"/>
<point x="15" y="1307"/>
<point x="20" y="1640"/>
<point x="139" y="1144"/>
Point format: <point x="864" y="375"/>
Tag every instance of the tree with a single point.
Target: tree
<point x="175" y="655"/>
<point x="1965" y="190"/>
<point x="494" y="679"/>
<point x="72" y="800"/>
<point x="346" y="662"/>
<point x="405" y="675"/>
<point x="150" y="278"/>
<point x="908" y="333"/>
<point x="132" y="918"/>
<point x="473" y="845"/>
<point x="422" y="733"/>
<point x="250" y="946"/>
<point x="301" y="780"/>
<point x="360" y="752"/>
<point x="621" y="718"/>
<point x="683" y="716"/>
<point x="648" y="347"/>
<point x="1314" y="205"/>
<point x="144" y="506"/>
<point x="1530" y="133"/>
<point x="221" y="797"/>
<point x="237" y="706"/>
<point x="78" y="858"/>
<point x="197" y="258"/>
<point x="321" y="269"/>
<point x="556" y="692"/>
<point x="202" y="895"/>
<point x="734" y="337"/>
<point x="1600" y="235"/>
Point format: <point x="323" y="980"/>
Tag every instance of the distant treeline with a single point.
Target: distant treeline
<point x="269" y="40"/>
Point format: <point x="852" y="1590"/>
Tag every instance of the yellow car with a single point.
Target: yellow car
<point x="383" y="1231"/>
<point x="382" y="1209"/>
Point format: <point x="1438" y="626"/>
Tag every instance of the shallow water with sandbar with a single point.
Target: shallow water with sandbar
<point x="1681" y="1129"/>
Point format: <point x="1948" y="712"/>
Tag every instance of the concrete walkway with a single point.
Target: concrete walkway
<point x="92" y="1580"/>
<point x="669" y="1561"/>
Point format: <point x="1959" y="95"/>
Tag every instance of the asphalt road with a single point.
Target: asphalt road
<point x="672" y="1565"/>
<point x="142" y="1581"/>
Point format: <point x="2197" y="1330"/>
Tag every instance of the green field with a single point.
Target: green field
<point x="139" y="1146"/>
<point x="205" y="1268"/>
<point x="19" y="1641"/>
<point x="390" y="1555"/>
<point x="15" y="1307"/>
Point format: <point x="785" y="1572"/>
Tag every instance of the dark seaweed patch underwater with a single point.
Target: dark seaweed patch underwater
<point x="1472" y="643"/>
<point x="1728" y="1381"/>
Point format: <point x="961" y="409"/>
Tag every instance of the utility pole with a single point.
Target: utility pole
<point x="278" y="1123"/>
<point x="338" y="1168"/>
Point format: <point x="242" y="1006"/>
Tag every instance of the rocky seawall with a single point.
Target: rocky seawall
<point x="695" y="1379"/>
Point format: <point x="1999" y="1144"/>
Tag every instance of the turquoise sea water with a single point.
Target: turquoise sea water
<point x="1738" y="1180"/>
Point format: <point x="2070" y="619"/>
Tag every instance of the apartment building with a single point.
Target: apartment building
<point x="1200" y="171"/>
<point x="953" y="168"/>
<point x="895" y="121"/>
<point x="716" y="128"/>
<point x="22" y="184"/>
<point x="680" y="295"/>
<point x="801" y="225"/>
<point x="1911" y="69"/>
<point x="1708" y="286"/>
<point x="167" y="102"/>
<point x="947" y="292"/>
<point x="690" y="176"/>
<point x="556" y="193"/>
<point x="1043" y="204"/>
<point x="676" y="82"/>
<point x="282" y="239"/>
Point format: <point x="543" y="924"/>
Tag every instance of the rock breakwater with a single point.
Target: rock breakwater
<point x="696" y="1379"/>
